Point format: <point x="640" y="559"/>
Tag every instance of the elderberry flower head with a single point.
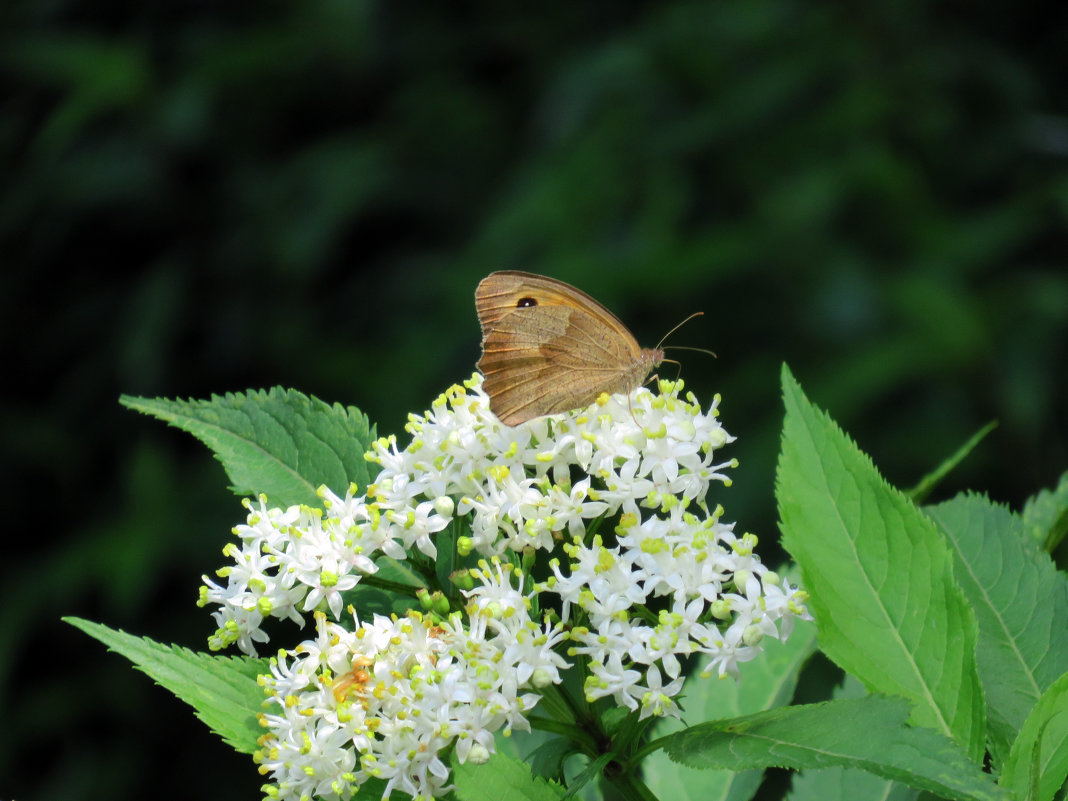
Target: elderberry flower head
<point x="640" y="575"/>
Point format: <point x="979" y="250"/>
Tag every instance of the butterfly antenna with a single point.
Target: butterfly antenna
<point x="684" y="347"/>
<point x="676" y="328"/>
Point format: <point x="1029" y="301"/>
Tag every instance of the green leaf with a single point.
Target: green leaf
<point x="932" y="479"/>
<point x="869" y="734"/>
<point x="1045" y="515"/>
<point x="880" y="576"/>
<point x="222" y="690"/>
<point x="502" y="778"/>
<point x="547" y="760"/>
<point x="593" y="770"/>
<point x="280" y="442"/>
<point x="1020" y="601"/>
<point x="1040" y="754"/>
<point x="846" y="784"/>
<point x="769" y="681"/>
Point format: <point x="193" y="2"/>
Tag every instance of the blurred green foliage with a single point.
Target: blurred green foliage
<point x="204" y="197"/>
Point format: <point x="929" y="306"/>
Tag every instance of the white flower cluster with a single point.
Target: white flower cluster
<point x="290" y="561"/>
<point x="385" y="700"/>
<point x="720" y="601"/>
<point x="665" y="579"/>
<point x="518" y="484"/>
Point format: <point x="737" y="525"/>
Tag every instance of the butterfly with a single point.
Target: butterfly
<point x="548" y="347"/>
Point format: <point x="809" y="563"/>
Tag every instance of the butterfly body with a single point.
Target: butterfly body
<point x="548" y="347"/>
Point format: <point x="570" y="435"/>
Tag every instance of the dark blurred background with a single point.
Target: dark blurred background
<point x="201" y="197"/>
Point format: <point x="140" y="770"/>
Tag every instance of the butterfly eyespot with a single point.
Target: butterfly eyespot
<point x="525" y="303"/>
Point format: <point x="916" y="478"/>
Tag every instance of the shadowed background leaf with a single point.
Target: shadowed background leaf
<point x="201" y="198"/>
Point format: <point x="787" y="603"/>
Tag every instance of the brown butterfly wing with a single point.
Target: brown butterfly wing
<point x="548" y="347"/>
<point x="499" y="294"/>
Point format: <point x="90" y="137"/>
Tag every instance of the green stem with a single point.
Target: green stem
<point x="649" y="748"/>
<point x="626" y="786"/>
<point x="393" y="586"/>
<point x="556" y="704"/>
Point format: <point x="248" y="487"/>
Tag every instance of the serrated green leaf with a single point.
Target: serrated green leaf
<point x="768" y="681"/>
<point x="931" y="480"/>
<point x="502" y="778"/>
<point x="281" y="443"/>
<point x="1045" y="516"/>
<point x="880" y="576"/>
<point x="222" y="690"/>
<point x="1020" y="601"/>
<point x="846" y="784"/>
<point x="869" y="734"/>
<point x="1040" y="754"/>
